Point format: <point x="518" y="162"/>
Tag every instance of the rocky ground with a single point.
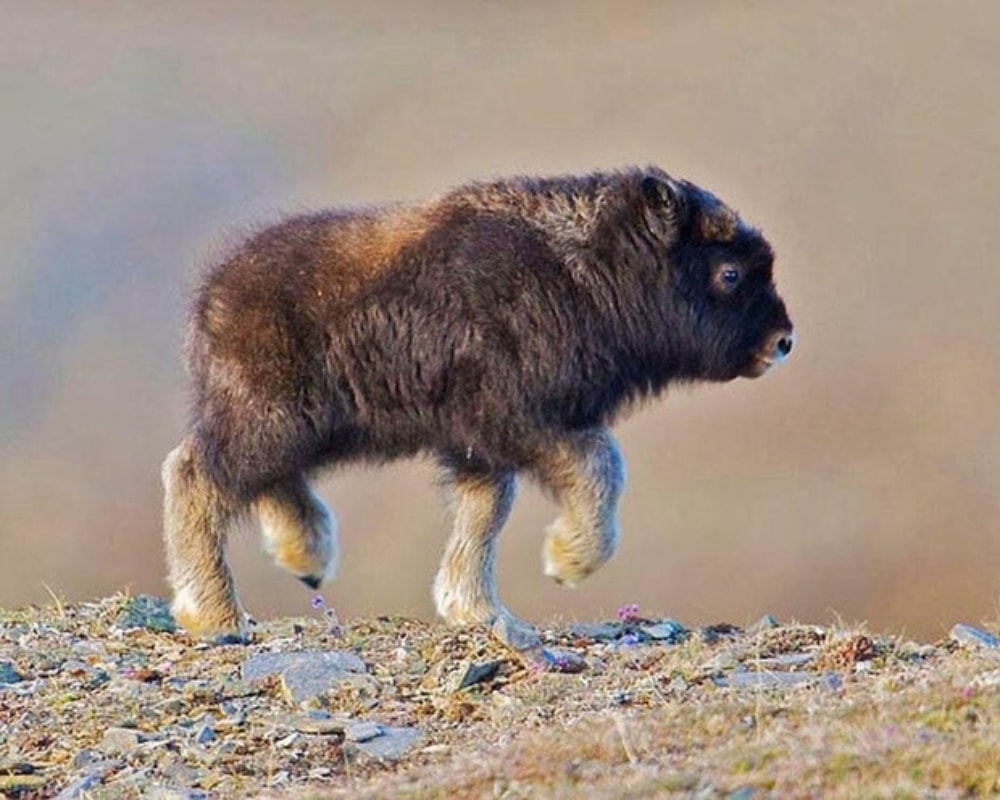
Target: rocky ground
<point x="107" y="699"/>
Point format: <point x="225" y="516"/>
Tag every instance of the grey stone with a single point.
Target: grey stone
<point x="8" y="674"/>
<point x="204" y="734"/>
<point x="96" y="772"/>
<point x="81" y="786"/>
<point x="305" y="674"/>
<point x="146" y="611"/>
<point x="668" y="630"/>
<point x="765" y="680"/>
<point x="973" y="637"/>
<point x="120" y="740"/>
<point x="391" y="744"/>
<point x="479" y="673"/>
<point x="17" y="767"/>
<point x="831" y="681"/>
<point x="180" y="773"/>
<point x="598" y="631"/>
<point x="555" y="660"/>
<point x="362" y="731"/>
<point x="724" y="661"/>
<point x="320" y="722"/>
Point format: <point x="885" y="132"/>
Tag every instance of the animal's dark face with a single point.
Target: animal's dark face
<point x="725" y="316"/>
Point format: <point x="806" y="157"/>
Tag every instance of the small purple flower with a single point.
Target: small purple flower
<point x="629" y="612"/>
<point x="631" y="639"/>
<point x="318" y="602"/>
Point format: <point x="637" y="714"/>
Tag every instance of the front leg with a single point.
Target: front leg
<point x="465" y="591"/>
<point x="586" y="473"/>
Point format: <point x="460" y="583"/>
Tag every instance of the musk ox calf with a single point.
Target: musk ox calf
<point x="498" y="329"/>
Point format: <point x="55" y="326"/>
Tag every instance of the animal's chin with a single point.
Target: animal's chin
<point x="757" y="367"/>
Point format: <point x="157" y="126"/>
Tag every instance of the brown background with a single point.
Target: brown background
<point x="861" y="480"/>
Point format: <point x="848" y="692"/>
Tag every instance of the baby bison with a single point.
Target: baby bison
<point x="499" y="329"/>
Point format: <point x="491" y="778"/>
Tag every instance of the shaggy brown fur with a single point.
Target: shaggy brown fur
<point x="499" y="328"/>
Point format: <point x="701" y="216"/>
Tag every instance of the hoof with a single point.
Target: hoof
<point x="311" y="581"/>
<point x="524" y="640"/>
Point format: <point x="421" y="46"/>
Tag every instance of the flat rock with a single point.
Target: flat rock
<point x="766" y="680"/>
<point x="669" y="631"/>
<point x="305" y="674"/>
<point x="598" y="631"/>
<point x="146" y="611"/>
<point x="391" y="744"/>
<point x="973" y="637"/>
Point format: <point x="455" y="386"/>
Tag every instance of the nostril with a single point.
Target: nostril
<point x="785" y="344"/>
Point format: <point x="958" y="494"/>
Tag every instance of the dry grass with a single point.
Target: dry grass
<point x="722" y="712"/>
<point x="892" y="720"/>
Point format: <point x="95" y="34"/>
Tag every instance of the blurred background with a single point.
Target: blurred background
<point x="860" y="481"/>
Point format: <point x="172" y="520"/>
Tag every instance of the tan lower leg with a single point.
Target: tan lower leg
<point x="586" y="473"/>
<point x="196" y="521"/>
<point x="465" y="589"/>
<point x="299" y="531"/>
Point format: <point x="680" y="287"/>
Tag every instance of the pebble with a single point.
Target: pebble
<point x="479" y="673"/>
<point x="120" y="740"/>
<point x="17" y="768"/>
<point x="598" y="631"/>
<point x="973" y="637"/>
<point x="146" y="611"/>
<point x="8" y="674"/>
<point x="319" y="722"/>
<point x="362" y="731"/>
<point x="668" y="631"/>
<point x="305" y="674"/>
<point x="561" y="660"/>
<point x="204" y="734"/>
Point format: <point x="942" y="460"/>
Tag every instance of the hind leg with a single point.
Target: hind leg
<point x="299" y="531"/>
<point x="586" y="474"/>
<point x="197" y="520"/>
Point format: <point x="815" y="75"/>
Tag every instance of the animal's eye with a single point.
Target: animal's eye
<point x="730" y="276"/>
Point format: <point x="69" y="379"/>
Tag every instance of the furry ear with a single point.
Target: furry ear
<point x="666" y="205"/>
<point x="660" y="192"/>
